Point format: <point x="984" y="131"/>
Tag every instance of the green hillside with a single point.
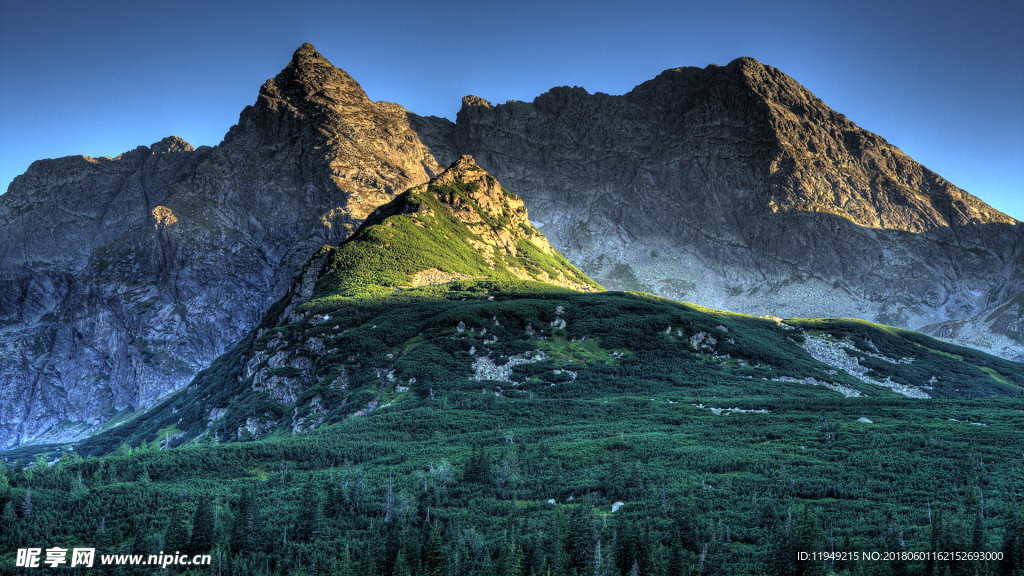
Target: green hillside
<point x="425" y="401"/>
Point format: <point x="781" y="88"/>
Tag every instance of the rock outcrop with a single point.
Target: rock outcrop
<point x="462" y="225"/>
<point x="737" y="188"/>
<point x="124" y="277"/>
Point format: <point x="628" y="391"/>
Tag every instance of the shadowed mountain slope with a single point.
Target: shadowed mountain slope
<point x="448" y="291"/>
<point x="736" y="187"/>
<point x="124" y="277"/>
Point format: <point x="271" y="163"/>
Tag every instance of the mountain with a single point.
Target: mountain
<point x="730" y="186"/>
<point x="124" y="277"/>
<point x="737" y="188"/>
<point x="448" y="289"/>
<point x="442" y="392"/>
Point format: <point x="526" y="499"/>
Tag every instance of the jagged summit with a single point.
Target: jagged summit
<point x="461" y="225"/>
<point x="307" y="56"/>
<point x="312" y="76"/>
<point x="171" y="144"/>
<point x="349" y="146"/>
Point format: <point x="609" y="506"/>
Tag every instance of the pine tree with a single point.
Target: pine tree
<point x="808" y="534"/>
<point x="979" y="540"/>
<point x="311" y="522"/>
<point x="434" y="564"/>
<point x="7" y="524"/>
<point x="243" y="534"/>
<point x="345" y="563"/>
<point x="389" y="500"/>
<point x="401" y="567"/>
<point x="103" y="538"/>
<point x="783" y="553"/>
<point x="1012" y="563"/>
<point x="176" y="537"/>
<point x="581" y="537"/>
<point x="517" y="562"/>
<point x="141" y="543"/>
<point x="202" y="527"/>
<point x="8" y="517"/>
<point x="559" y="539"/>
<point x="933" y="566"/>
<point x="675" y="563"/>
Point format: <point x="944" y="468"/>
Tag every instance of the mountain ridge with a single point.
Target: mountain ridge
<point x="103" y="315"/>
<point x="130" y="312"/>
<point x="755" y="167"/>
<point x="448" y="290"/>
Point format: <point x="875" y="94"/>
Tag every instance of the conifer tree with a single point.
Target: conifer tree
<point x="141" y="543"/>
<point x="202" y="527"/>
<point x="103" y="538"/>
<point x="176" y="537"/>
<point x="518" y="568"/>
<point x="345" y="563"/>
<point x="582" y="537"/>
<point x="1012" y="563"/>
<point x="311" y="521"/>
<point x="434" y="562"/>
<point x="243" y="535"/>
<point x="933" y="566"/>
<point x="7" y="524"/>
<point x="401" y="567"/>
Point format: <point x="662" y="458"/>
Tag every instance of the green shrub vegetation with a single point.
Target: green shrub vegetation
<point x="612" y="414"/>
<point x="488" y="426"/>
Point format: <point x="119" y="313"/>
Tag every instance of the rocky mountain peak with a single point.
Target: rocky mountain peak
<point x="478" y="201"/>
<point x="469" y="101"/>
<point x="485" y="194"/>
<point x="205" y="238"/>
<point x="171" y="144"/>
<point x="461" y="225"/>
<point x="308" y="56"/>
<point x="359" y="153"/>
<point x="312" y="75"/>
<point x="736" y="187"/>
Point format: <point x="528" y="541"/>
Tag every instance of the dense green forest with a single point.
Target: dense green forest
<point x="718" y="470"/>
<point x="463" y="484"/>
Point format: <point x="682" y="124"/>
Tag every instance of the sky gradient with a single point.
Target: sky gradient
<point x="943" y="81"/>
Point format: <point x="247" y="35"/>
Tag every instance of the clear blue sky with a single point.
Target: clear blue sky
<point x="944" y="81"/>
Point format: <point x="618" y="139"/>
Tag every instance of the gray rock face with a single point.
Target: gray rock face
<point x="123" y="277"/>
<point x="732" y="187"/>
<point x="735" y="188"/>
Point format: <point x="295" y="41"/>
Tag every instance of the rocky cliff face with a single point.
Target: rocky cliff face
<point x="448" y="294"/>
<point x="730" y="186"/>
<point x="124" y="277"/>
<point x="737" y="188"/>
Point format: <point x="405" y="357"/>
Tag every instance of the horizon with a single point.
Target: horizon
<point x="103" y="81"/>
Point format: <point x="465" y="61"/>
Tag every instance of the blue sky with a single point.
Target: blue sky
<point x="943" y="81"/>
